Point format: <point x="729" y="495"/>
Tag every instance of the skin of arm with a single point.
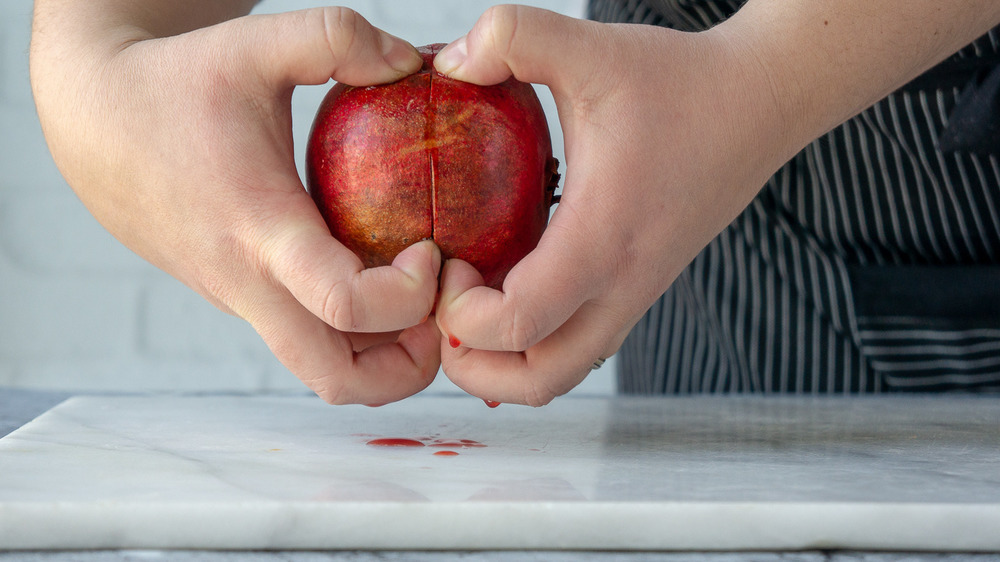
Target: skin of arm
<point x="171" y="120"/>
<point x="669" y="136"/>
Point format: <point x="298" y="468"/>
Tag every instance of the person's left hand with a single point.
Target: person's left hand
<point x="668" y="138"/>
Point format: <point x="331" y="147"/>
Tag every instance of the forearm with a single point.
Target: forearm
<point x="826" y="61"/>
<point x="73" y="43"/>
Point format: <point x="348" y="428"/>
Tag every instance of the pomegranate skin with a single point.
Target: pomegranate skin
<point x="429" y="157"/>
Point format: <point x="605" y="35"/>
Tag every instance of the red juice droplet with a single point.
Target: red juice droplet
<point x="395" y="442"/>
<point x="445" y="454"/>
<point x="454" y="342"/>
<point x="459" y="444"/>
<point x="491" y="403"/>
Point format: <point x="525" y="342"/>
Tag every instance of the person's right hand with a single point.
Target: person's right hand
<point x="181" y="146"/>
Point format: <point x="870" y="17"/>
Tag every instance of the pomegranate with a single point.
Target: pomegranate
<point x="429" y="157"/>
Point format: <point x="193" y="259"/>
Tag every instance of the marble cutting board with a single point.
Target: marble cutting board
<point x="223" y="472"/>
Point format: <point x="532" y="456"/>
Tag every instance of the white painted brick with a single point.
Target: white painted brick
<point x="78" y="317"/>
<point x="280" y="380"/>
<point x="8" y="372"/>
<point x="5" y="85"/>
<point x="15" y="34"/>
<point x="177" y="322"/>
<point x="25" y="161"/>
<point x="132" y="374"/>
<point x="51" y="231"/>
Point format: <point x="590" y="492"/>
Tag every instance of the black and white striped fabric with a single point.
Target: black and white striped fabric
<point x="869" y="263"/>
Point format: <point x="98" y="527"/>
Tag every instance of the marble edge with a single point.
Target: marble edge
<point x="14" y="417"/>
<point x="622" y="526"/>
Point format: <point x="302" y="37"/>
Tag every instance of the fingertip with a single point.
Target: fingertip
<point x="436" y="257"/>
<point x="312" y="46"/>
<point x="420" y="260"/>
<point x="457" y="277"/>
<point x="450" y="59"/>
<point x="532" y="44"/>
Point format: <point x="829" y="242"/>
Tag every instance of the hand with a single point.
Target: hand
<point x="181" y="147"/>
<point x="669" y="136"/>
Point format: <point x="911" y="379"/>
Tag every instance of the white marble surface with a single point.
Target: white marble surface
<point x="616" y="474"/>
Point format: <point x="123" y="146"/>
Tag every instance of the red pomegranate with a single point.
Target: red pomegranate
<point x="429" y="157"/>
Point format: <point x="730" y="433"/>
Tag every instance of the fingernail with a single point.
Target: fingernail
<point x="452" y="56"/>
<point x="454" y="342"/>
<point x="400" y="55"/>
<point x="491" y="403"/>
<point x="437" y="263"/>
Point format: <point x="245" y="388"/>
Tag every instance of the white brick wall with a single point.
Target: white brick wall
<point x="79" y="311"/>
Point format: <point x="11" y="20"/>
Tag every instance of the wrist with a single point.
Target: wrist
<point x="69" y="30"/>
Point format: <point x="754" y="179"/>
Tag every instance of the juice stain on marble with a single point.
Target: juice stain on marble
<point x="435" y="442"/>
<point x="395" y="442"/>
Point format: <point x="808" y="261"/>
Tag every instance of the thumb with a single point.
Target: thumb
<point x="532" y="44"/>
<point x="313" y="46"/>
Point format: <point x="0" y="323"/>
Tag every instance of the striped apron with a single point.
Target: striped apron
<point x="869" y="263"/>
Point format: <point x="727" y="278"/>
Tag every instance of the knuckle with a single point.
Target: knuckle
<point x="338" y="306"/>
<point x="342" y="27"/>
<point x="333" y="394"/>
<point x="522" y="333"/>
<point x="327" y="385"/>
<point x="339" y="20"/>
<point x="501" y="25"/>
<point x="539" y="396"/>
